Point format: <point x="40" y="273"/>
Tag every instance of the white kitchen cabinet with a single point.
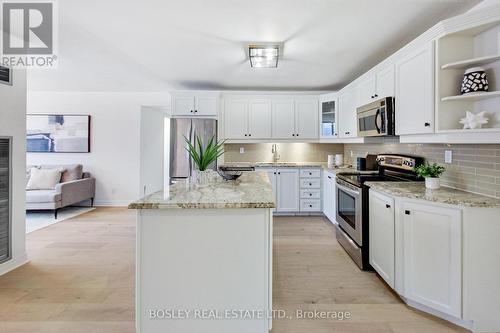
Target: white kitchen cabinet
<point x="306" y="119"/>
<point x="348" y="127"/>
<point x="283" y="119"/>
<point x="259" y="119"/>
<point x="366" y="91"/>
<point x="432" y="252"/>
<point x="415" y="92"/>
<point x="329" y="196"/>
<point x="287" y="188"/>
<point x="236" y="119"/>
<point x="194" y="104"/>
<point x="385" y="83"/>
<point x="382" y="236"/>
<point x="328" y="116"/>
<point x="247" y="119"/>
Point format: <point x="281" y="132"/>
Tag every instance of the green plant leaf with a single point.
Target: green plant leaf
<point x="429" y="171"/>
<point x="204" y="156"/>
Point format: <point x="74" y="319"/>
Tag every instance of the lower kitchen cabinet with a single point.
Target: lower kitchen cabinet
<point x="287" y="188"/>
<point x="382" y="236"/>
<point x="329" y="196"/>
<point x="432" y="247"/>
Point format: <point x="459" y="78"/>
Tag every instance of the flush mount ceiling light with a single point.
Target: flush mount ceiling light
<point x="264" y="56"/>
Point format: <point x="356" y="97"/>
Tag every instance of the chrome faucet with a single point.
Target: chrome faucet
<point x="274" y="150"/>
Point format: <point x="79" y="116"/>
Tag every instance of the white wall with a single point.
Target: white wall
<point x="114" y="159"/>
<point x="13" y="124"/>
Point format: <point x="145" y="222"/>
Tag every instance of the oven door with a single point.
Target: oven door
<point x="372" y="122"/>
<point x="349" y="212"/>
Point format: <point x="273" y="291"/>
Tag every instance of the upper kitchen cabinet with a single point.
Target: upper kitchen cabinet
<point x="247" y="118"/>
<point x="306" y="118"/>
<point x="328" y="106"/>
<point x="376" y="86"/>
<point x="283" y="119"/>
<point x="295" y="119"/>
<point x="415" y="92"/>
<point x="195" y="103"/>
<point x="348" y="127"/>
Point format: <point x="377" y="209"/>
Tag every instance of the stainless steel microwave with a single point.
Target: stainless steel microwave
<point x="377" y="118"/>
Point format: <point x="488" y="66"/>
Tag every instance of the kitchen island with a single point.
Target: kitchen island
<point x="204" y="257"/>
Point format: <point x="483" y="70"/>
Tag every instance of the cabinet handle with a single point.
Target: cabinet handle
<point x="387" y="206"/>
<point x="279" y="173"/>
<point x="192" y="111"/>
<point x="407" y="212"/>
<point x="347" y="133"/>
<point x="249" y="134"/>
<point x="376" y="95"/>
<point x="293" y="134"/>
<point x="310" y="194"/>
<point x="275" y="173"/>
<point x="310" y="184"/>
<point x="310" y="173"/>
<point x="372" y="96"/>
<point x="246" y="134"/>
<point x="297" y="134"/>
<point x="329" y="177"/>
<point x="310" y="206"/>
<point x="427" y="124"/>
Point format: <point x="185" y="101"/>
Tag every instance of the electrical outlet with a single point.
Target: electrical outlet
<point x="242" y="150"/>
<point x="448" y="156"/>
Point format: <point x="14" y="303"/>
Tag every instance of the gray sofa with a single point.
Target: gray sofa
<point x="75" y="186"/>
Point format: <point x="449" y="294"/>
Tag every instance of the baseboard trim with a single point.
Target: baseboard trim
<point x="112" y="203"/>
<point x="13" y="264"/>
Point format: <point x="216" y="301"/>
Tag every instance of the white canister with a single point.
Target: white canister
<point x="339" y="159"/>
<point x="331" y="159"/>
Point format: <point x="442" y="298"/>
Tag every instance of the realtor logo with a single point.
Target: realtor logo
<point x="28" y="34"/>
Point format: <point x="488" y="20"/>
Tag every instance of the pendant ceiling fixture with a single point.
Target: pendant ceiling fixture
<point x="264" y="56"/>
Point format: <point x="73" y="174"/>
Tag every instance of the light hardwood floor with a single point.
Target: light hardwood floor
<point x="81" y="279"/>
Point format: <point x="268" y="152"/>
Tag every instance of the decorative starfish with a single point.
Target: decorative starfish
<point x="473" y="121"/>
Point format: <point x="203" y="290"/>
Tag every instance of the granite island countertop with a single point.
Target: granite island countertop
<point x="444" y="195"/>
<point x="251" y="190"/>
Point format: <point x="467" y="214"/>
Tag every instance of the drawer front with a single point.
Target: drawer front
<point x="306" y="183"/>
<point x="310" y="205"/>
<point x="310" y="194"/>
<point x="310" y="173"/>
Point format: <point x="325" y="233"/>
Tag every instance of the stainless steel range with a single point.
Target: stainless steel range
<point x="352" y="202"/>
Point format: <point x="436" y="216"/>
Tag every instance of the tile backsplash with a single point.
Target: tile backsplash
<point x="475" y="167"/>
<point x="289" y="152"/>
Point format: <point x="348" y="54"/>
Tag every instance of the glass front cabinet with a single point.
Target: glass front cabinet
<point x="329" y="115"/>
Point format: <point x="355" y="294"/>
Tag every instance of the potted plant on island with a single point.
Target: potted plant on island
<point x="431" y="174"/>
<point x="203" y="156"/>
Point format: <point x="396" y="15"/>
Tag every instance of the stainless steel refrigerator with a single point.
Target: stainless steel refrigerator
<point x="181" y="164"/>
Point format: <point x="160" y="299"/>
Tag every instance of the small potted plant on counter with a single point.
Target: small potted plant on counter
<point x="203" y="156"/>
<point x="431" y="174"/>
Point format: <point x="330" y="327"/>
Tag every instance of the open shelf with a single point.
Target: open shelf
<point x="479" y="130"/>
<point x="477" y="96"/>
<point x="471" y="62"/>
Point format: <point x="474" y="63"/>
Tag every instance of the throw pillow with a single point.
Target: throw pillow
<point x="44" y="179"/>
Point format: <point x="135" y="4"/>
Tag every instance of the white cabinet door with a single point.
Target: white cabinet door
<point x="205" y="105"/>
<point x="306" y="121"/>
<point x="288" y="189"/>
<point x="329" y="196"/>
<point x="366" y="91"/>
<point x="415" y="92"/>
<point x="385" y="83"/>
<point x="432" y="247"/>
<point x="347" y="114"/>
<point x="236" y="119"/>
<point x="259" y="119"/>
<point x="283" y="119"/>
<point x="382" y="236"/>
<point x="183" y="104"/>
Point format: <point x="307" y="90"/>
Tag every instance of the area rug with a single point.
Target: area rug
<point x="36" y="220"/>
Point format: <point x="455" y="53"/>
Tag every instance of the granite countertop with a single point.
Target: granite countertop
<point x="324" y="166"/>
<point x="251" y="190"/>
<point x="445" y="195"/>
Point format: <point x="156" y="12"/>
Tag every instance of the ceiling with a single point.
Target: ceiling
<point x="154" y="45"/>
